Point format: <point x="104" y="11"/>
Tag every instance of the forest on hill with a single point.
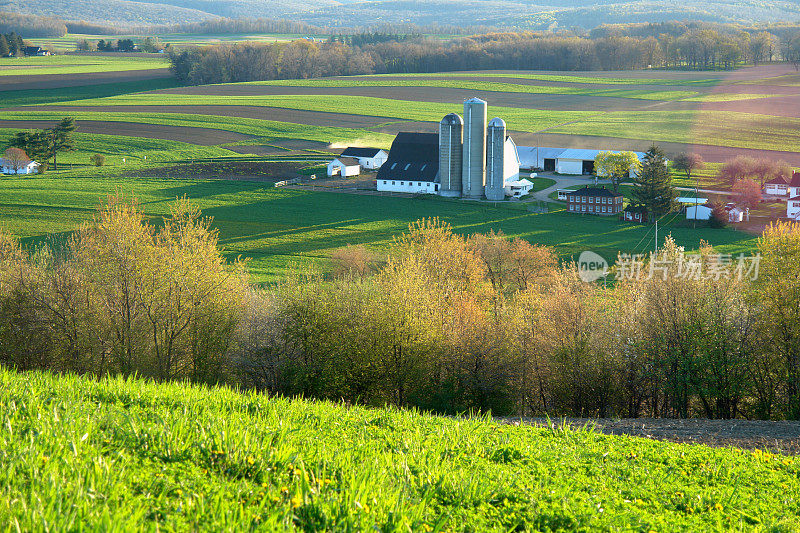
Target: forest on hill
<point x="518" y="14"/>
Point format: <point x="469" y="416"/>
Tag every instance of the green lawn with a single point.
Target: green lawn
<point x="129" y="455"/>
<point x="78" y="64"/>
<point x="280" y="229"/>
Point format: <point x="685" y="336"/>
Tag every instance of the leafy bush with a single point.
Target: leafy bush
<point x="98" y="160"/>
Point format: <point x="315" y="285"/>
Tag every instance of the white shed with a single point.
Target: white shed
<point x="698" y="212"/>
<point x="518" y="188"/>
<point x="344" y="166"/>
<point x="368" y="158"/>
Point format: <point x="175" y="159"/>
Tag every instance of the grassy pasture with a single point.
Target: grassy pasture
<point x="280" y="229"/>
<point x="79" y="64"/>
<point x="130" y="455"/>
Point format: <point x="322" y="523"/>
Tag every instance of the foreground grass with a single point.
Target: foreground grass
<point x="114" y="454"/>
<point x="280" y="229"/>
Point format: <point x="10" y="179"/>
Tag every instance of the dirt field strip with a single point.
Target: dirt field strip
<point x="779" y="436"/>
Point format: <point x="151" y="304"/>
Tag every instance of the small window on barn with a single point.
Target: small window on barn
<point x="392" y="183"/>
<point x="402" y="183"/>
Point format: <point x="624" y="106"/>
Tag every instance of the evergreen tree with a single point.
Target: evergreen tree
<point x="653" y="188"/>
<point x="4" y="49"/>
<point x="60" y="138"/>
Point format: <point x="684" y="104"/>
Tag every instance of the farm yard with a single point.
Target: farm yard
<point x="148" y="128"/>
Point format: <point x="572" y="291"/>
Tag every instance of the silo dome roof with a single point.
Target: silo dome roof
<point x="497" y="123"/>
<point x="453" y="119"/>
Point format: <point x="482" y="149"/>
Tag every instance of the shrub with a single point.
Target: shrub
<point x="98" y="160"/>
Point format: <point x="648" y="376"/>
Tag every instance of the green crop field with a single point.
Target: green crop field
<point x="129" y="455"/>
<point x="78" y="64"/>
<point x="704" y="80"/>
<point x="66" y="94"/>
<point x="711" y="127"/>
<point x="281" y="229"/>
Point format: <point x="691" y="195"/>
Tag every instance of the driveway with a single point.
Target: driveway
<point x="562" y="182"/>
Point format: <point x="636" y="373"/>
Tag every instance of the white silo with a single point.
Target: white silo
<point x="451" y="136"/>
<point x="474" y="155"/>
<point x="495" y="159"/>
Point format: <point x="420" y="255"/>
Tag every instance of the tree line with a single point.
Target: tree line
<point x="444" y="322"/>
<point x="697" y="49"/>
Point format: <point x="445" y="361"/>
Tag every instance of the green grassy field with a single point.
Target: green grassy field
<point x="712" y="127"/>
<point x="78" y="64"/>
<point x="569" y="78"/>
<point x="280" y="229"/>
<point x="249" y="126"/>
<point x="70" y="41"/>
<point x="66" y="94"/>
<point x="128" y="455"/>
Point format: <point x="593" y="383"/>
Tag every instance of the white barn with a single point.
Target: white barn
<point x="344" y="167"/>
<point x="368" y="158"/>
<point x="412" y="165"/>
<point x="26" y="167"/>
<point x="569" y="161"/>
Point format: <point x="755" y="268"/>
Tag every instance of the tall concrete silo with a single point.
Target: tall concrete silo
<point x="451" y="137"/>
<point x="495" y="159"/>
<point x="474" y="167"/>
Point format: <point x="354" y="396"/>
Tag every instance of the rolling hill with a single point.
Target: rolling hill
<point x="526" y="14"/>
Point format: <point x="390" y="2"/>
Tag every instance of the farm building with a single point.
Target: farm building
<point x="344" y="167"/>
<point x="793" y="207"/>
<point x="635" y="213"/>
<point x="736" y="215"/>
<point x="570" y="161"/>
<point x="595" y="200"/>
<point x="777" y="187"/>
<point x="538" y="157"/>
<point x="368" y="158"/>
<point x="794" y="185"/>
<point x="698" y="212"/>
<point x="23" y="167"/>
<point x="412" y="165"/>
<point x="518" y="188"/>
<point x="35" y="51"/>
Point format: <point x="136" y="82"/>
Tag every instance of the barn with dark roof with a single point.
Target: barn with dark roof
<point x="413" y="164"/>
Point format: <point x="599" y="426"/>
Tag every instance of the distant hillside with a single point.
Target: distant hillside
<point x="527" y="14"/>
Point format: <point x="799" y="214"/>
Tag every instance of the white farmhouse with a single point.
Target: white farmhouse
<point x="344" y="167"/>
<point x="23" y="167"/>
<point x="794" y="185"/>
<point x="368" y="158"/>
<point x="793" y="207"/>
